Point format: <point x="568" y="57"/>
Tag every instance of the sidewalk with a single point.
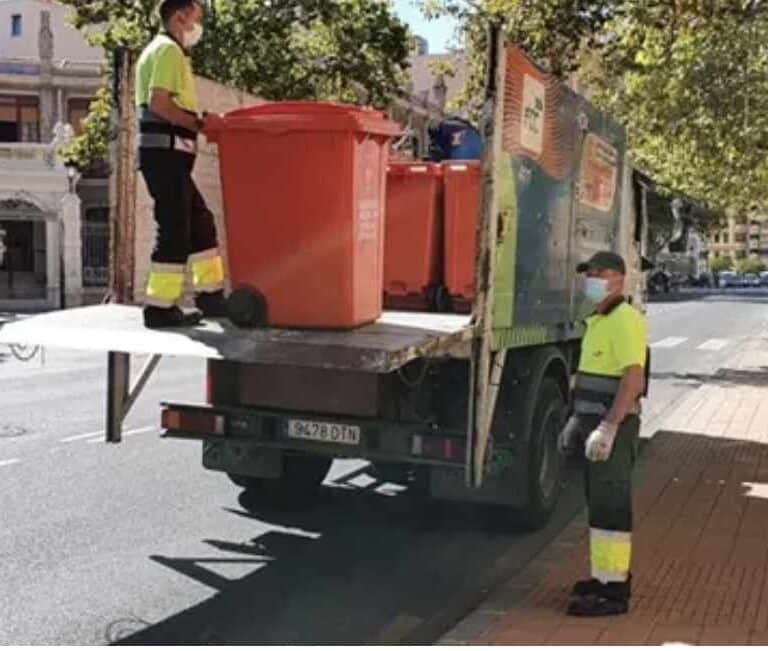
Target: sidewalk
<point x="701" y="534"/>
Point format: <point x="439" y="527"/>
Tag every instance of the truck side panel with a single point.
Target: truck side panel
<point x="559" y="181"/>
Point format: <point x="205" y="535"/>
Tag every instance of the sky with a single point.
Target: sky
<point x="439" y="32"/>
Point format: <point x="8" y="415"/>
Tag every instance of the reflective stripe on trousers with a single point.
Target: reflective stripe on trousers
<point x="165" y="284"/>
<point x="207" y="271"/>
<point x="610" y="554"/>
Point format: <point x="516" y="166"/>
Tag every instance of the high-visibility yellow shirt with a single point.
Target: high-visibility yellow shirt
<point x="164" y="65"/>
<point x="614" y="342"/>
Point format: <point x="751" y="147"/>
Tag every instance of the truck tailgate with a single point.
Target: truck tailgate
<point x="388" y="344"/>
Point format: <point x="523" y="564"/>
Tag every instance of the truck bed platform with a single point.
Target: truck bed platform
<point x="393" y="341"/>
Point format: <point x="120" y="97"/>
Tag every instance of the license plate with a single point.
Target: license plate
<point x="324" y="432"/>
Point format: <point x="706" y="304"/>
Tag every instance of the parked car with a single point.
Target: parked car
<point x="729" y="279"/>
<point x="764" y="278"/>
<point x="751" y="280"/>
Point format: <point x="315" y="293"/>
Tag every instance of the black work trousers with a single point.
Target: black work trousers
<point x="185" y="225"/>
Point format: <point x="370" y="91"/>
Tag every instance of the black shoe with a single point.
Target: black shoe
<point x="619" y="590"/>
<point x="170" y="317"/>
<point x="212" y="305"/>
<point x="597" y="605"/>
<point x="589" y="586"/>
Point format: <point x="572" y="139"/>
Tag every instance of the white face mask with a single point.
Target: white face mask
<point x="192" y="37"/>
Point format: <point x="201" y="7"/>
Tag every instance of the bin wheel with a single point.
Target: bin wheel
<point x="247" y="308"/>
<point x="440" y="299"/>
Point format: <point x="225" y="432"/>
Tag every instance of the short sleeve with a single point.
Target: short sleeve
<point x="166" y="72"/>
<point x="631" y="339"/>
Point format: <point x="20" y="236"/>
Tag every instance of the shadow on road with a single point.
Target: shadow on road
<point x="351" y="566"/>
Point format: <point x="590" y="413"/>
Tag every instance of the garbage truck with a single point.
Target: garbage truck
<point x="466" y="406"/>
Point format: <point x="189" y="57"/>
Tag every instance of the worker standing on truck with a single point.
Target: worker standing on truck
<point x="169" y="123"/>
<point x="605" y="427"/>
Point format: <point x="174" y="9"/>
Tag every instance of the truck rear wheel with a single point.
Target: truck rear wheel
<point x="545" y="462"/>
<point x="302" y="474"/>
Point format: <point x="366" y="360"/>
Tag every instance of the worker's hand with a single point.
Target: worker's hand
<point x="600" y="442"/>
<point x="213" y="123"/>
<point x="570" y="440"/>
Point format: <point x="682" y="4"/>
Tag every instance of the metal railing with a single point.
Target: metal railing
<point x="95" y="254"/>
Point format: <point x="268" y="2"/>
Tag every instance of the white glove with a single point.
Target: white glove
<point x="600" y="442"/>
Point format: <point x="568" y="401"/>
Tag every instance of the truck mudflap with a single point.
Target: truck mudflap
<point x="260" y="430"/>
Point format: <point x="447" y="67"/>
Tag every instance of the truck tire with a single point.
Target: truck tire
<point x="545" y="463"/>
<point x="302" y="474"/>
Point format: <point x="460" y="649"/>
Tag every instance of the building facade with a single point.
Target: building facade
<point x="53" y="225"/>
<point x="738" y="240"/>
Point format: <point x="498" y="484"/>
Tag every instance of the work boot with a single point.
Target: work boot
<point x="212" y="304"/>
<point x="170" y="317"/>
<point x="594" y="586"/>
<point x="593" y="598"/>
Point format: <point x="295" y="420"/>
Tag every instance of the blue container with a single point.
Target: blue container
<point x="455" y="139"/>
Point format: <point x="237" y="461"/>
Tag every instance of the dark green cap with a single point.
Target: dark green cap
<point x="604" y="260"/>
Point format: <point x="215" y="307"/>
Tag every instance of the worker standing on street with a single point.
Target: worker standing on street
<point x="605" y="427"/>
<point x="169" y="124"/>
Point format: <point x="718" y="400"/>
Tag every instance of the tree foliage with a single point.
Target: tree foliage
<point x="750" y="266"/>
<point x="723" y="263"/>
<point x="689" y="80"/>
<point x="343" y="50"/>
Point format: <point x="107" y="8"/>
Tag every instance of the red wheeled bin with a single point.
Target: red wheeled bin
<point x="304" y="190"/>
<point x="462" y="209"/>
<point x="413" y="241"/>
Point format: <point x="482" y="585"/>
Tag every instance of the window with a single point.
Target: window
<point x="725" y="238"/>
<point x="77" y="110"/>
<point x="740" y="238"/>
<point x="19" y="118"/>
<point x="16" y="25"/>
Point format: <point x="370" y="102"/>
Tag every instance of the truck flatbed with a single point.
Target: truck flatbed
<point x="393" y="341"/>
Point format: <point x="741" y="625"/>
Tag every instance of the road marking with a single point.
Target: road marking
<point x="80" y="437"/>
<point x="9" y="462"/>
<point x="126" y="434"/>
<point x="669" y="342"/>
<point x="714" y="344"/>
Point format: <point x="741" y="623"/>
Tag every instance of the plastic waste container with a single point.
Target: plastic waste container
<point x="413" y="239"/>
<point x="304" y="189"/>
<point x="462" y="210"/>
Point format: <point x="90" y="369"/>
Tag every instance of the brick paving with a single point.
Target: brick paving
<point x="701" y="535"/>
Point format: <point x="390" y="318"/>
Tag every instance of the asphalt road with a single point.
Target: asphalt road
<point x="137" y="543"/>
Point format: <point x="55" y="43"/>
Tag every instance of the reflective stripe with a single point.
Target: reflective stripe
<point x="166" y="141"/>
<point x="610" y="554"/>
<point x="165" y="284"/>
<point x="207" y="271"/>
<point x="598" y="383"/>
<point x="589" y="408"/>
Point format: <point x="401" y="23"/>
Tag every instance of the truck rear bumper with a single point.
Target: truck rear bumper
<point x="338" y="437"/>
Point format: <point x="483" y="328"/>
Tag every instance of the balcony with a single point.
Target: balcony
<point x="29" y="156"/>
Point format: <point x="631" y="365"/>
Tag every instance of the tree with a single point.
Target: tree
<point x="724" y="263"/>
<point x="291" y="49"/>
<point x="750" y="266"/>
<point x="689" y="81"/>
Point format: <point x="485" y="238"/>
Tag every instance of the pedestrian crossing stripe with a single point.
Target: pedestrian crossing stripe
<point x="669" y="342"/>
<point x="713" y="344"/>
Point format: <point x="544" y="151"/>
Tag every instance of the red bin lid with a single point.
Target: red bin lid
<point x="310" y="116"/>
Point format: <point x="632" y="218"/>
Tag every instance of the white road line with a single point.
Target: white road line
<point x="669" y="342"/>
<point x="126" y="434"/>
<point x="9" y="462"/>
<point x="714" y="344"/>
<point x="80" y="437"/>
